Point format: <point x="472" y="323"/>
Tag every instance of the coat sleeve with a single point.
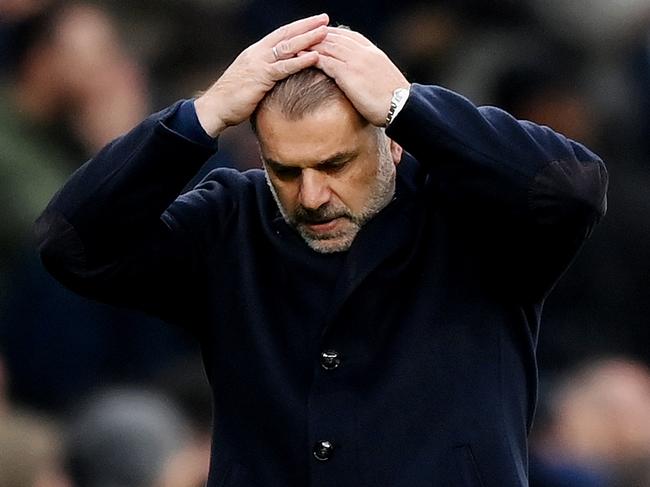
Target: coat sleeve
<point x="522" y="196"/>
<point x="118" y="231"/>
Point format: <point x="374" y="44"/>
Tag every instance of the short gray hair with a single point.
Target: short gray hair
<point x="299" y="94"/>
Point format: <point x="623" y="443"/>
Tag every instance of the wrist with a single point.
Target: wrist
<point x="209" y="117"/>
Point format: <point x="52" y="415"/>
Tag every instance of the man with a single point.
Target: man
<point x="367" y="317"/>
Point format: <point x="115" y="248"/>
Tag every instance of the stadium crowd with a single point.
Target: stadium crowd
<point x="95" y="396"/>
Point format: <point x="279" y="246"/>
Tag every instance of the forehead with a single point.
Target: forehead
<point x="333" y="128"/>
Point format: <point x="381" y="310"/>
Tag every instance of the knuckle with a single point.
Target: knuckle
<point x="246" y="55"/>
<point x="284" y="69"/>
<point x="274" y="73"/>
<point x="284" y="48"/>
<point x="269" y="71"/>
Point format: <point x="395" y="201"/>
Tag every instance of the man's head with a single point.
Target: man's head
<point x="329" y="170"/>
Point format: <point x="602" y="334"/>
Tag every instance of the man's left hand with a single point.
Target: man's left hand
<point x="363" y="72"/>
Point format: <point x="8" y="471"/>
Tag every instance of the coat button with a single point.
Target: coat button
<point x="323" y="450"/>
<point x="330" y="359"/>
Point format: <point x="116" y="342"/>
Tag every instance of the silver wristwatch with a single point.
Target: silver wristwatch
<point x="400" y="95"/>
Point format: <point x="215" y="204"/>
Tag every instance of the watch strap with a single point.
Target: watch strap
<point x="397" y="102"/>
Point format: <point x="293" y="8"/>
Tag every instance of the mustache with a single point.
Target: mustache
<point x="319" y="215"/>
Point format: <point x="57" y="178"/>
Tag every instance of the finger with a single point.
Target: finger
<point x="338" y="46"/>
<point x="289" y="48"/>
<point x="287" y="67"/>
<point x="331" y="49"/>
<point x="344" y="40"/>
<point x="294" y="29"/>
<point x="330" y="66"/>
<point x="351" y="34"/>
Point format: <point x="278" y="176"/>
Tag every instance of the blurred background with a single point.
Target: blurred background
<point x="96" y="396"/>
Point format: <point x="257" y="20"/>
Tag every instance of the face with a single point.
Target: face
<point x="329" y="172"/>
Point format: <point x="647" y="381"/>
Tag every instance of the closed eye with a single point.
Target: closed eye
<point x="286" y="173"/>
<point x="281" y="171"/>
<point x="337" y="163"/>
<point x="333" y="167"/>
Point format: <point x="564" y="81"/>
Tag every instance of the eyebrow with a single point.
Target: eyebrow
<point x="338" y="158"/>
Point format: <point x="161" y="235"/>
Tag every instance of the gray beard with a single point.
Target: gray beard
<point x="381" y="194"/>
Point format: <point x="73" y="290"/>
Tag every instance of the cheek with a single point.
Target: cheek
<point x="287" y="193"/>
<point x="352" y="192"/>
<point x="354" y="189"/>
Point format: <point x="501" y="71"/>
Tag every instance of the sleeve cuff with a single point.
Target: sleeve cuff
<point x="185" y="122"/>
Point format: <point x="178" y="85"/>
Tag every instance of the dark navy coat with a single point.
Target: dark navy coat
<point x="408" y="361"/>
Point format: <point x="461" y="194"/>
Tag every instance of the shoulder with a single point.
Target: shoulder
<point x="225" y="205"/>
<point x="228" y="191"/>
<point x="236" y="183"/>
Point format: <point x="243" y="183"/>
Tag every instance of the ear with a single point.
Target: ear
<point x="396" y="151"/>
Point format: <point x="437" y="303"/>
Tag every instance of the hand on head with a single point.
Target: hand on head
<point x="363" y="72"/>
<point x="234" y="96"/>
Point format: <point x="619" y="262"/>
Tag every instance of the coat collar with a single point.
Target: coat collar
<point x="392" y="232"/>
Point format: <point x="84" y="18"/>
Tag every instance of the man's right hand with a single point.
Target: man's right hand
<point x="235" y="95"/>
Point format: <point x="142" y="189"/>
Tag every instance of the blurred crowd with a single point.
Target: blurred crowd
<point x="96" y="396"/>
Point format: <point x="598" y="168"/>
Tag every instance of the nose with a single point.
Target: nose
<point x="314" y="189"/>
